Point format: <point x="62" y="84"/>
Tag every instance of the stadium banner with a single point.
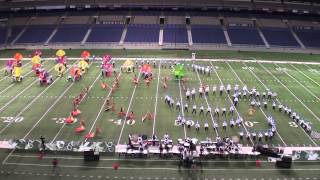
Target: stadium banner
<point x="306" y="155"/>
<point x="73" y="146"/>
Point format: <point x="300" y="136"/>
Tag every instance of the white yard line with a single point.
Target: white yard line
<point x="205" y="97"/>
<point x="28" y="105"/>
<point x="182" y="110"/>
<point x="290" y="91"/>
<point x="8" y="87"/>
<point x="98" y="60"/>
<point x="156" y="103"/>
<point x="9" y="76"/>
<point x="25" y="89"/>
<point x="232" y="102"/>
<point x="300" y="83"/>
<point x="305" y="75"/>
<point x="64" y="124"/>
<point x="129" y="106"/>
<point x="48" y="110"/>
<point x="279" y="102"/>
<point x="307" y="65"/>
<point x="254" y="100"/>
<point x="163" y="168"/>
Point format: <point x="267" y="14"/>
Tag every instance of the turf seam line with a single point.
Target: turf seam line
<point x="255" y="101"/>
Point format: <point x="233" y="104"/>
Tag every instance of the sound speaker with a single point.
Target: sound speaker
<point x="285" y="162"/>
<point x="91" y="156"/>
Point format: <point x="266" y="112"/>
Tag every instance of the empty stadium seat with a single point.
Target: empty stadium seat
<point x="70" y="33"/>
<point x="279" y="36"/>
<point x="15" y="31"/>
<point x="310" y="38"/>
<point x="175" y="34"/>
<point x="142" y="33"/>
<point x="36" y="34"/>
<point x="106" y="33"/>
<point x="3" y="33"/>
<point x="207" y="34"/>
<point x="244" y="35"/>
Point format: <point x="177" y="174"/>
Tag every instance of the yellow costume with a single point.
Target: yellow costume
<point x="60" y="68"/>
<point x="83" y="65"/>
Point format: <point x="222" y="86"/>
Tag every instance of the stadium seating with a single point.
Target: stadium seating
<point x="310" y="38"/>
<point x="36" y="34"/>
<point x="207" y="34"/>
<point x="15" y="30"/>
<point x="106" y="33"/>
<point x="244" y="35"/>
<point x="175" y="34"/>
<point x="70" y="33"/>
<point x="3" y="33"/>
<point x="279" y="36"/>
<point x="142" y="33"/>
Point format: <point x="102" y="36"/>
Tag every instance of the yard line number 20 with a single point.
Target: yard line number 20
<point x="10" y="119"/>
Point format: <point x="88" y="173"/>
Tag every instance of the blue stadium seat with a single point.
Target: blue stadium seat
<point x="3" y="33"/>
<point x="175" y="34"/>
<point x="244" y="35"/>
<point x="36" y="34"/>
<point x="279" y="37"/>
<point x="207" y="34"/>
<point x="15" y="30"/>
<point x="106" y="33"/>
<point x="310" y="38"/>
<point x="142" y="33"/>
<point x="70" y="33"/>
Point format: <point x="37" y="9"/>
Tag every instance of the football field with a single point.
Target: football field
<point x="28" y="111"/>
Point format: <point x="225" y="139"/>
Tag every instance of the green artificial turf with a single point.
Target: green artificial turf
<point x="43" y="116"/>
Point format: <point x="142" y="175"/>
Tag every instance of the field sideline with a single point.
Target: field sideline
<point x="28" y="111"/>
